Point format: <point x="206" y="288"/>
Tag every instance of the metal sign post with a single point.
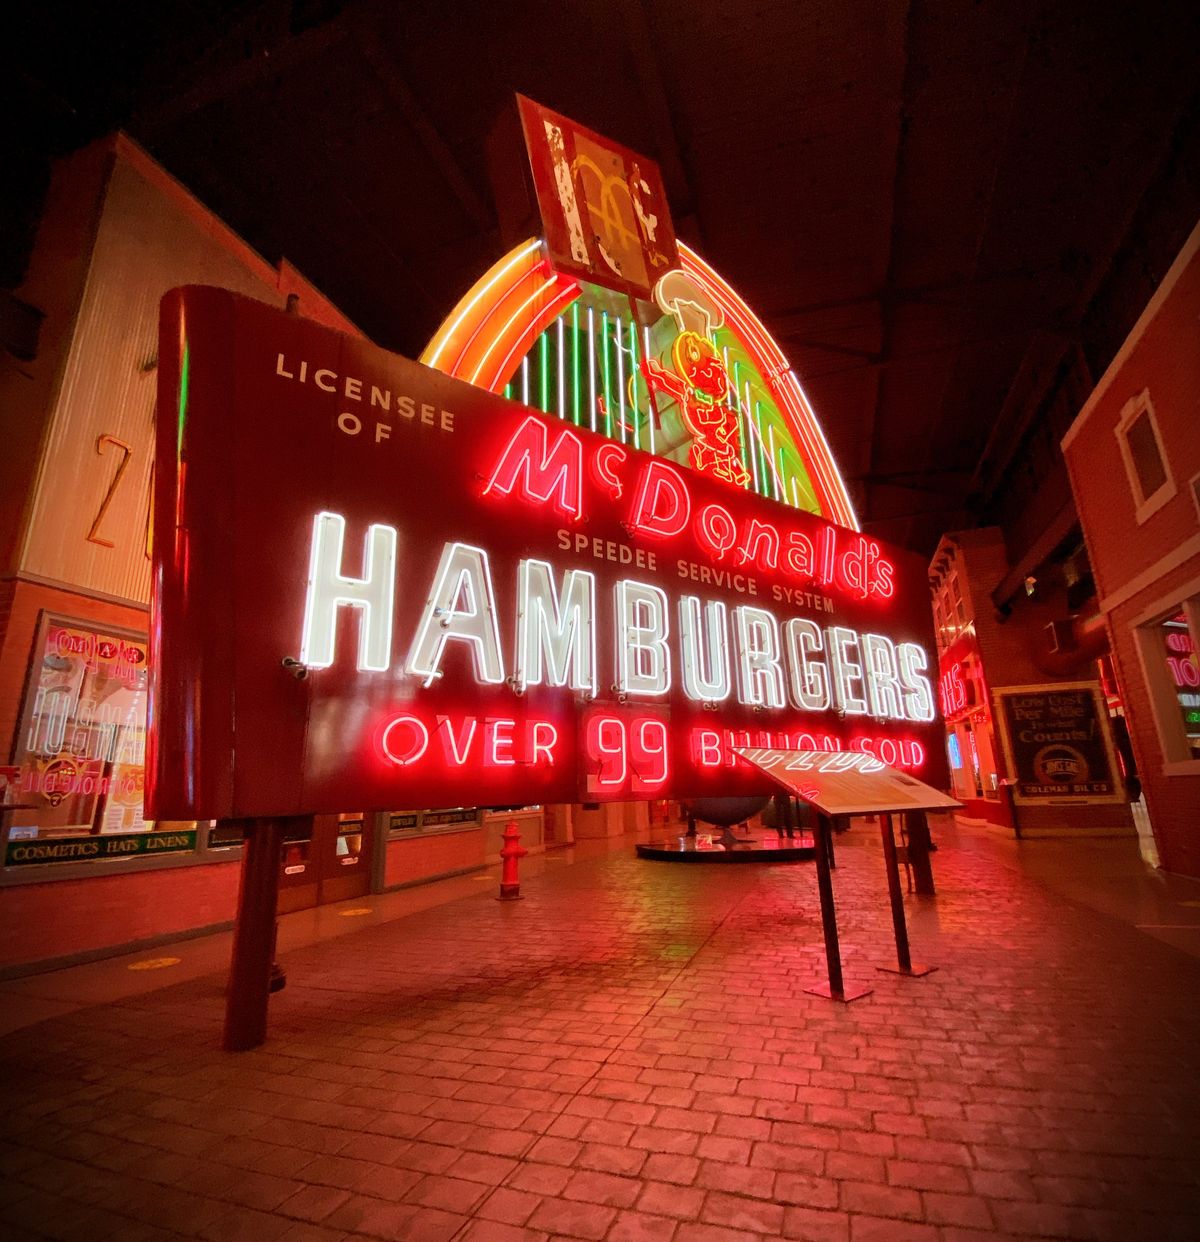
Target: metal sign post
<point x="835" y="784"/>
<point x="835" y="989"/>
<point x="253" y="937"/>
<point x="903" y="956"/>
<point x="916" y="827"/>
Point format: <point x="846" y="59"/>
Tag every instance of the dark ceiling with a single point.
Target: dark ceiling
<point x="917" y="196"/>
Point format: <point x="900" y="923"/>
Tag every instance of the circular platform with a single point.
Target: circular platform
<point x="706" y="848"/>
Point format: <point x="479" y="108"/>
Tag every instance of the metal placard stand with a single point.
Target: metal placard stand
<point x="836" y="988"/>
<point x="835" y="783"/>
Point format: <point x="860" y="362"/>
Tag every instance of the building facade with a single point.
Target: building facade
<point x="1032" y="740"/>
<point x="1134" y="459"/>
<point x="82" y="871"/>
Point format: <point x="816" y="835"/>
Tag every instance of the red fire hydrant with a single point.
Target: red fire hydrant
<point x="512" y="853"/>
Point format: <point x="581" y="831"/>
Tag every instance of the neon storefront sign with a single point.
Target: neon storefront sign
<point x="484" y="602"/>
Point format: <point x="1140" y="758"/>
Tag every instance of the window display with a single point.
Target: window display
<point x="77" y="776"/>
<point x="1185" y="675"/>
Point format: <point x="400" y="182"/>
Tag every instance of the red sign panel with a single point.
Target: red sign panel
<point x="960" y="686"/>
<point x="604" y="209"/>
<point x="380" y="587"/>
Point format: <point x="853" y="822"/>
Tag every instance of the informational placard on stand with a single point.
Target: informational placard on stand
<point x="841" y="783"/>
<point x="846" y="784"/>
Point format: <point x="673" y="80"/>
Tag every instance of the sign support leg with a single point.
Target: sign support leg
<point x="835" y="989"/>
<point x="916" y="825"/>
<point x="253" y="937"/>
<point x="903" y="957"/>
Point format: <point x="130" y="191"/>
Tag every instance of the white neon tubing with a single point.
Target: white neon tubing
<point x="643" y="657"/>
<point x="451" y="741"/>
<point x="591" y="325"/>
<point x="748" y="414"/>
<point x="771" y="459"/>
<point x="566" y="295"/>
<point x="912" y="662"/>
<point x="328" y="589"/>
<point x="883" y="677"/>
<point x="634" y="412"/>
<point x="779" y="375"/>
<point x="808" y="678"/>
<point x="649" y="398"/>
<point x="462" y="569"/>
<point x="517" y="315"/>
<point x="556" y="642"/>
<point x="845" y="670"/>
<point x="760" y="676"/>
<point x="562" y="375"/>
<point x="419" y="729"/>
<point x="620" y="375"/>
<point x="752" y="423"/>
<point x="704" y="646"/>
<point x="488" y="284"/>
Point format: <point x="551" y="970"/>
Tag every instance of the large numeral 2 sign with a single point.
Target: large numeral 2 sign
<point x="377" y="587"/>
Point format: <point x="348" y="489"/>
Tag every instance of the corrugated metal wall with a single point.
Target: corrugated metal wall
<point x="103" y="417"/>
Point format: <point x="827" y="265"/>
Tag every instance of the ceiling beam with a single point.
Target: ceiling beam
<point x="283" y="54"/>
<point x="399" y="94"/>
<point x="934" y="293"/>
<point x="639" y="41"/>
<point x="887" y="304"/>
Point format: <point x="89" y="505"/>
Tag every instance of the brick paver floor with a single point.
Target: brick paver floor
<point x="629" y="1055"/>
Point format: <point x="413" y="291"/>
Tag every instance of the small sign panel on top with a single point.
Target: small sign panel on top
<point x="603" y="207"/>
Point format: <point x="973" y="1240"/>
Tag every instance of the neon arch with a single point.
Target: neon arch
<point x="558" y="344"/>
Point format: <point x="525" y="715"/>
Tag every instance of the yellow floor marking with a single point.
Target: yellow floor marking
<point x="153" y="963"/>
<point x="357" y="910"/>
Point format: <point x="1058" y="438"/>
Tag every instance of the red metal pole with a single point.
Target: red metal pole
<point x="253" y="937"/>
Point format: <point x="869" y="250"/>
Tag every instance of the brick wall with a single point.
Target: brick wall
<point x="66" y="917"/>
<point x="424" y="856"/>
<point x="1143" y="568"/>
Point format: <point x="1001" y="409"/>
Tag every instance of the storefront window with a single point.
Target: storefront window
<point x="949" y="612"/>
<point x="74" y="789"/>
<point x="1184" y="668"/>
<point x="958" y="749"/>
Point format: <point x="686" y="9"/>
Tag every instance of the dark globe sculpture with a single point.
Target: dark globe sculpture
<point x="724" y="811"/>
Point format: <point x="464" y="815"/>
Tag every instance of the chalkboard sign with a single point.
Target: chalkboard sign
<point x="1058" y="744"/>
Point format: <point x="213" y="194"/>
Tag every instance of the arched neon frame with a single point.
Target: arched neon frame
<point x="496" y="322"/>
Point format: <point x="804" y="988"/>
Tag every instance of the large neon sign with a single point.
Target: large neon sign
<point x="484" y="598"/>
